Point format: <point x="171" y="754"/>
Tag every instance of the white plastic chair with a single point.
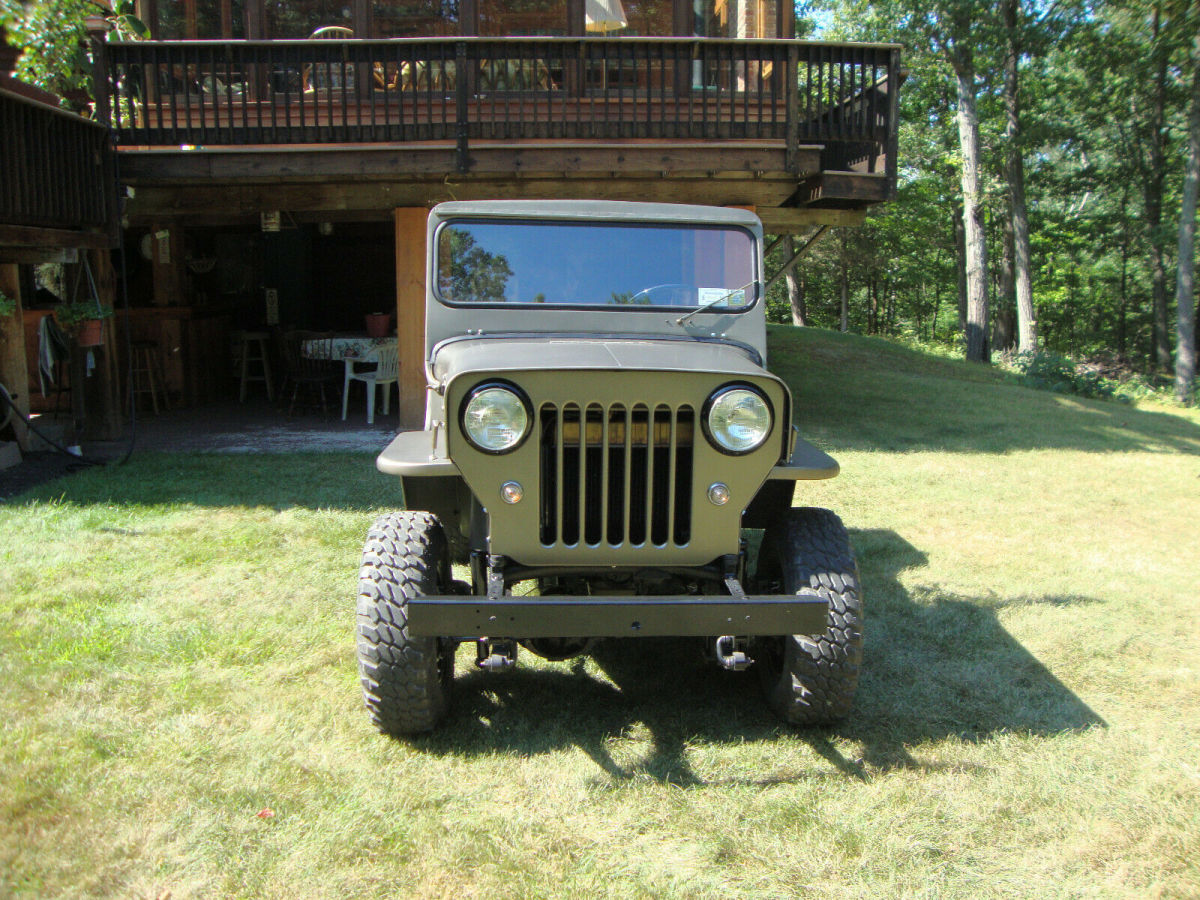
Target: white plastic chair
<point x="386" y="372"/>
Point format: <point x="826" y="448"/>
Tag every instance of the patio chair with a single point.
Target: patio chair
<point x="322" y="76"/>
<point x="385" y="360"/>
<point x="309" y="366"/>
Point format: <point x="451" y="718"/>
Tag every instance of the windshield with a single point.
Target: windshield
<point x="595" y="264"/>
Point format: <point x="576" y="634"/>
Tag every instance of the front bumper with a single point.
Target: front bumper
<point x="638" y="616"/>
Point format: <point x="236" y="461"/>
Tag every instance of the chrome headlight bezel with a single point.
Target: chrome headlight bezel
<point x="720" y="400"/>
<point x="498" y="391"/>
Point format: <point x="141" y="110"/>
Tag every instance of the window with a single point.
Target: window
<point x="300" y="18"/>
<point x="736" y="18"/>
<point x="415" y="18"/>
<point x="595" y="264"/>
<point x="186" y="20"/>
<point x="655" y="18"/>
<point x="534" y="18"/>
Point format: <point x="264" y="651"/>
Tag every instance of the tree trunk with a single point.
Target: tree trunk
<point x="937" y="308"/>
<point x="1123" y="308"/>
<point x="975" y="238"/>
<point x="1003" y="311"/>
<point x="1155" y="180"/>
<point x="1014" y="171"/>
<point x="873" y="305"/>
<point x="960" y="266"/>
<point x="795" y="288"/>
<point x="845" y="289"/>
<point x="1185" y="298"/>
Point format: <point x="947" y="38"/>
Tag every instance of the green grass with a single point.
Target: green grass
<point x="176" y="657"/>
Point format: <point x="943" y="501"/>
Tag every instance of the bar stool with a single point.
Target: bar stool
<point x="254" y="352"/>
<point x="146" y="375"/>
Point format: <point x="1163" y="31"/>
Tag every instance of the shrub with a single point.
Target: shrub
<point x="1049" y="371"/>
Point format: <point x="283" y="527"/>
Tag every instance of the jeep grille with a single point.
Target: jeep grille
<point x="615" y="475"/>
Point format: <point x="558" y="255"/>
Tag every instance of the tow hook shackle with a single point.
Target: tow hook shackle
<point x="495" y="656"/>
<point x="731" y="653"/>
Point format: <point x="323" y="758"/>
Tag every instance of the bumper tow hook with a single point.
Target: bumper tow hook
<point x="495" y="656"/>
<point x="731" y="653"/>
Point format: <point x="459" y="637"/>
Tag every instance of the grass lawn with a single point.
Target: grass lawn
<point x="181" y="716"/>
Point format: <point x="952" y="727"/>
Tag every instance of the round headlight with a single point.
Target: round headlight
<point x="495" y="418"/>
<point x="738" y="420"/>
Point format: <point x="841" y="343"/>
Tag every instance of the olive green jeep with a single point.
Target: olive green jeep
<point x="606" y="451"/>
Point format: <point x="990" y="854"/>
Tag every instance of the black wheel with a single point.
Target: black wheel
<point x="405" y="680"/>
<point x="811" y="679"/>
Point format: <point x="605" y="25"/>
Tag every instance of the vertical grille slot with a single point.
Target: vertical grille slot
<point x="616" y="475"/>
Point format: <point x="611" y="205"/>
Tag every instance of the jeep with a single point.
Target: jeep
<point x="602" y="434"/>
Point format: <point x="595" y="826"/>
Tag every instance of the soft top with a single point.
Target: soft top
<point x="597" y="210"/>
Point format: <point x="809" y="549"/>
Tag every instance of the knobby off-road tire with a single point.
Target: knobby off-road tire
<point x="405" y="680"/>
<point x="810" y="680"/>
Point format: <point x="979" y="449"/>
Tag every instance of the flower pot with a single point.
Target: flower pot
<point x="90" y="334"/>
<point x="378" y="324"/>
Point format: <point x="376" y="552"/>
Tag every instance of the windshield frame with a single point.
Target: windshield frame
<point x="754" y="286"/>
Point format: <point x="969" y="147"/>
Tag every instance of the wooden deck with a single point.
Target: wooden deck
<point x="214" y="128"/>
<point x="59" y="187"/>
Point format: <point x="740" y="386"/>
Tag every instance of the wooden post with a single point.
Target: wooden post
<point x="170" y="280"/>
<point x="103" y="387"/>
<point x="14" y="373"/>
<point x="410" y="313"/>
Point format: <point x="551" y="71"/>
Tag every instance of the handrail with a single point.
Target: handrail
<point x="464" y="89"/>
<point x="58" y="167"/>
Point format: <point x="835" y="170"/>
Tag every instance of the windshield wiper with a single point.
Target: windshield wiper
<point x="711" y="303"/>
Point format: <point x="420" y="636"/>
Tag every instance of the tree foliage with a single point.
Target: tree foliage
<point x="1104" y="90"/>
<point x="53" y="34"/>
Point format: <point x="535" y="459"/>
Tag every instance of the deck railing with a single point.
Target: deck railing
<point x="57" y="167"/>
<point x="210" y="93"/>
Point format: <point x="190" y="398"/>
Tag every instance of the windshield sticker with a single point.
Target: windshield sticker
<point x="719" y="296"/>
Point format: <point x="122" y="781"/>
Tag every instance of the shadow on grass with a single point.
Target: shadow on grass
<point x="936" y="668"/>
<point x="336" y="481"/>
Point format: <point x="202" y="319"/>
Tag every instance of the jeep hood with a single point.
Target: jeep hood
<point x="499" y="354"/>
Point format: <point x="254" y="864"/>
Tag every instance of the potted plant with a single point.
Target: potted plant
<point x="379" y="324"/>
<point x="84" y="321"/>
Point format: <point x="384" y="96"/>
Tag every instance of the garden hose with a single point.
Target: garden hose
<point x="11" y="410"/>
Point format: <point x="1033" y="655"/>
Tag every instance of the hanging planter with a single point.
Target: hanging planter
<point x="90" y="334"/>
<point x="84" y="321"/>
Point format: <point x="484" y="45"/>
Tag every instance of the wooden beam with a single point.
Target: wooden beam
<point x="797" y="220"/>
<point x="218" y="204"/>
<point x="12" y="236"/>
<point x="845" y="186"/>
<point x="170" y="277"/>
<point x="14" y="372"/>
<point x="278" y="164"/>
<point x="33" y="256"/>
<point x="410" y="313"/>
